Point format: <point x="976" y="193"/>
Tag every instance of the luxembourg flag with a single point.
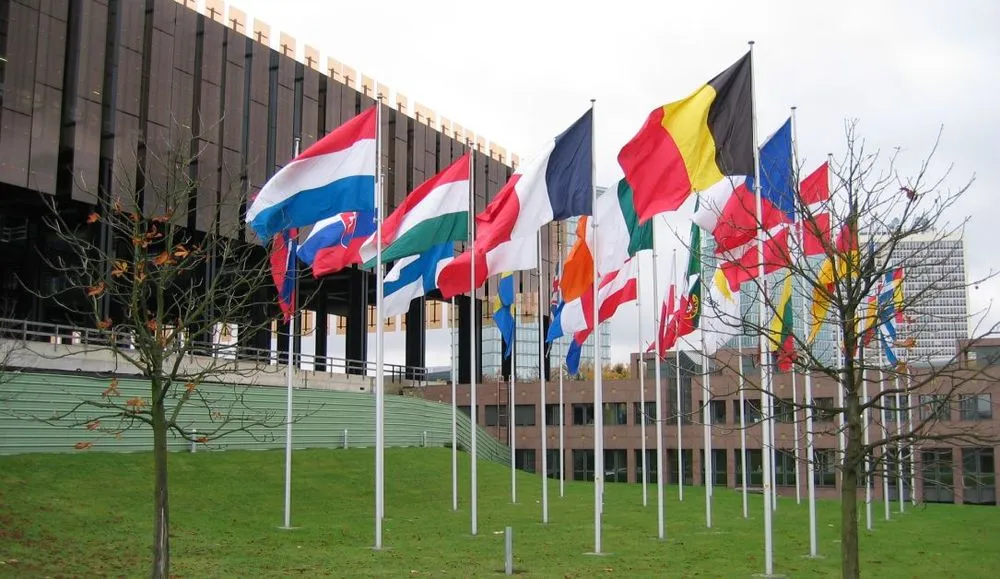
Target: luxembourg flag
<point x="335" y="243"/>
<point x="556" y="185"/>
<point x="334" y="175"/>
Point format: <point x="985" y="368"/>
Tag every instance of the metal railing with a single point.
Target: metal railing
<point x="28" y="331"/>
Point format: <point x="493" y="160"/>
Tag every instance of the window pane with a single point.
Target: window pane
<point x="524" y="415"/>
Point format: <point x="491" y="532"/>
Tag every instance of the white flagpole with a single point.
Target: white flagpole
<point x="541" y="386"/>
<point x="598" y="379"/>
<point x="291" y="366"/>
<point x="868" y="469"/>
<point x="454" y="408"/>
<point x="841" y="427"/>
<point x="642" y="382"/>
<point x="379" y="337"/>
<point x="706" y="417"/>
<point x="795" y="397"/>
<point x="885" y="427"/>
<point x="743" y="432"/>
<point x="677" y="383"/>
<point x="811" y="466"/>
<point x="510" y="412"/>
<point x="900" y="483"/>
<point x="474" y="498"/>
<point x="765" y="371"/>
<point x="658" y="397"/>
<point x="562" y="409"/>
<point x="913" y="447"/>
<point x="796" y="455"/>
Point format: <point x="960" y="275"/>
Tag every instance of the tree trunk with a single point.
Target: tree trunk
<point x="850" y="561"/>
<point x="161" y="518"/>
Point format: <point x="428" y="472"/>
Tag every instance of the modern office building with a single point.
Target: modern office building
<point x="961" y="471"/>
<point x="92" y="91"/>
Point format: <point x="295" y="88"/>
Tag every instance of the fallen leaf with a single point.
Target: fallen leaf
<point x="202" y="439"/>
<point x="190" y="386"/>
<point x="83" y="445"/>
<point x="135" y="404"/>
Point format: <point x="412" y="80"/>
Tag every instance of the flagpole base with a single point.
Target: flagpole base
<point x="593" y="554"/>
<point x="284" y="528"/>
<point x="771" y="576"/>
<point x="813" y="557"/>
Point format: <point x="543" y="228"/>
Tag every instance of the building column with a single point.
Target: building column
<point x="464" y="327"/>
<point x="321" y="331"/>
<point x="356" y="348"/>
<point x="416" y="339"/>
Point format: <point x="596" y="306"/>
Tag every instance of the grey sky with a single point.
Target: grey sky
<point x="519" y="72"/>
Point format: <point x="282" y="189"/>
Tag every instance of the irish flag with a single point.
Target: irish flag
<point x="620" y="237"/>
<point x="435" y="212"/>
<point x="691" y="144"/>
<point x="781" y="330"/>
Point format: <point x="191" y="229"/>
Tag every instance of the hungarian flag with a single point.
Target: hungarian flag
<point x="814" y="193"/>
<point x="781" y="329"/>
<point x="621" y="237"/>
<point x="435" y="212"/>
<point x="556" y="185"/>
<point x="691" y="144"/>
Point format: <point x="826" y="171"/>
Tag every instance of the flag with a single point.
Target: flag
<point x="556" y="294"/>
<point x="335" y="243"/>
<point x="781" y="329"/>
<point x="691" y="144"/>
<point x="435" y="212"/>
<point x="688" y="312"/>
<point x="845" y="261"/>
<point x="621" y="237"/>
<point x="577" y="316"/>
<point x="283" y="270"/>
<point x="556" y="185"/>
<point x="336" y="174"/>
<point x="742" y="264"/>
<point x="503" y="311"/>
<point x="666" y="316"/>
<point x="720" y="320"/>
<point x="413" y="276"/>
<point x="891" y="296"/>
<point x="815" y="195"/>
<point x="573" y="357"/>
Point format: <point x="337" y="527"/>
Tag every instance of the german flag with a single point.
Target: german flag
<point x="691" y="144"/>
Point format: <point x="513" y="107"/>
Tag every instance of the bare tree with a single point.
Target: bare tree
<point x="882" y="221"/>
<point x="159" y="270"/>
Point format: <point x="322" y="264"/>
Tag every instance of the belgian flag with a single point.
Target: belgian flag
<point x="691" y="144"/>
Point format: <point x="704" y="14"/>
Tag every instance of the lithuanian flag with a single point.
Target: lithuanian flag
<point x="782" y="330"/>
<point x="691" y="144"/>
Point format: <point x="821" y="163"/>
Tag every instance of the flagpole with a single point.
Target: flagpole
<point x="706" y="418"/>
<point x="913" y="447"/>
<point x="541" y="387"/>
<point x="868" y="470"/>
<point x="562" y="409"/>
<point x="598" y="379"/>
<point x="795" y="397"/>
<point x="510" y="414"/>
<point x="764" y="365"/>
<point x="454" y="408"/>
<point x="677" y="384"/>
<point x="743" y="430"/>
<point x="658" y="396"/>
<point x="379" y="336"/>
<point x="899" y="447"/>
<point x="885" y="427"/>
<point x="291" y="365"/>
<point x="642" y="380"/>
<point x="474" y="498"/>
<point x="841" y="430"/>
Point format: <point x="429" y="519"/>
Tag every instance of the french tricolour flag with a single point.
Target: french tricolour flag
<point x="335" y="243"/>
<point x="556" y="185"/>
<point x="334" y="175"/>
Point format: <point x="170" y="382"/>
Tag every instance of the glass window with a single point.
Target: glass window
<point x="554" y="465"/>
<point x="718" y="411"/>
<point x="650" y="413"/>
<point x="524" y="415"/>
<point x="938" y="475"/>
<point x="650" y="465"/>
<point x="524" y="459"/>
<point x="583" y="465"/>
<point x="976" y="407"/>
<point x="784" y="468"/>
<point x="688" y="460"/>
<point x="751" y="409"/>
<point x="583" y="414"/>
<point x="784" y="410"/>
<point x="553" y="416"/>
<point x="825" y="473"/>
<point x="719" y="467"/>
<point x="496" y="415"/>
<point x="615" y="413"/>
<point x="979" y="476"/>
<point x="467" y="410"/>
<point x="615" y="466"/>
<point x="755" y="468"/>
<point x="823" y="411"/>
<point x="934" y="408"/>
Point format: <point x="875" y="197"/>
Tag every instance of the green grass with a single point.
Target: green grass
<point x="90" y="515"/>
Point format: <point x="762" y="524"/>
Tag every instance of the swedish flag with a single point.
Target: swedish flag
<point x="503" y="311"/>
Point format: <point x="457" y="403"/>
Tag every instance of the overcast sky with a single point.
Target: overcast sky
<point x="519" y="72"/>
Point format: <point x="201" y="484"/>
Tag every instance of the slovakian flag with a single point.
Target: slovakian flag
<point x="335" y="243"/>
<point x="691" y="144"/>
<point x="283" y="270"/>
<point x="435" y="212"/>
<point x="556" y="185"/>
<point x="815" y="222"/>
<point x="336" y="174"/>
<point x="621" y="237"/>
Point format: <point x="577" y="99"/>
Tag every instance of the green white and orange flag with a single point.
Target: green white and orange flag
<point x="781" y="331"/>
<point x="691" y="144"/>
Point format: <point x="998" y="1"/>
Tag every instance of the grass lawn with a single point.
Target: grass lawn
<point x="90" y="515"/>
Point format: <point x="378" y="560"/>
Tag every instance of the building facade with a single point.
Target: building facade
<point x="945" y="471"/>
<point x="94" y="90"/>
